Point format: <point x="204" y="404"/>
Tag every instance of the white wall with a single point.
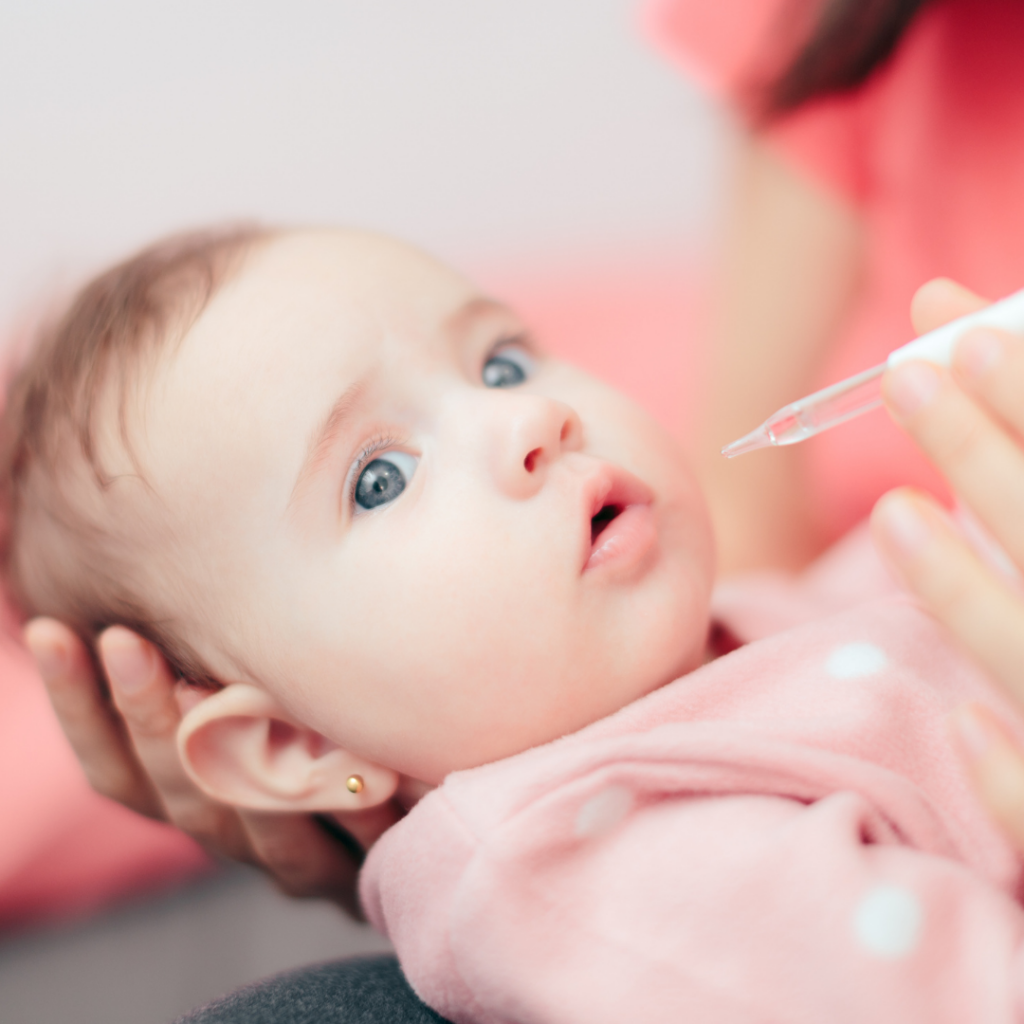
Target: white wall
<point x="484" y="130"/>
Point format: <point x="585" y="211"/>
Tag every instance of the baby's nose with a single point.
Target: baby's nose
<point x="531" y="435"/>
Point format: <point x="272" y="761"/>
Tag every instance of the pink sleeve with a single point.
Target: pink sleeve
<point x="730" y="47"/>
<point x="729" y="909"/>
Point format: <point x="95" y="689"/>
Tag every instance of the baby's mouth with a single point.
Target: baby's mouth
<point x="622" y="529"/>
<point x="599" y="521"/>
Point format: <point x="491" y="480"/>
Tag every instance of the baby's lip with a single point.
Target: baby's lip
<point x="609" y="493"/>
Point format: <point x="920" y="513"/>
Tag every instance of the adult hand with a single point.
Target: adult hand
<point x="970" y="422"/>
<point x="126" y="743"/>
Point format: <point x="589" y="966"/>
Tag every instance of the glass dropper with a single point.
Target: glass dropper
<point x="809" y="416"/>
<point x="849" y="398"/>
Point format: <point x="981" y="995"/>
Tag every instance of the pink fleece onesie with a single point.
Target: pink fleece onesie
<point x="784" y="835"/>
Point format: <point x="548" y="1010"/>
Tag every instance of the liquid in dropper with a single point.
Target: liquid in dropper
<point x="809" y="416"/>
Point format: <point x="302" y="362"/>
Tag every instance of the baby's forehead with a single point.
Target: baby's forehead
<point x="309" y="277"/>
<point x="337" y="301"/>
<point x="312" y="291"/>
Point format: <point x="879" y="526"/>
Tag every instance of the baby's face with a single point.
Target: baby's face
<point x="429" y="541"/>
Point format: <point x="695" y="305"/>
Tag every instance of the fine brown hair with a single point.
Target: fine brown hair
<point x="57" y="556"/>
<point x="849" y="41"/>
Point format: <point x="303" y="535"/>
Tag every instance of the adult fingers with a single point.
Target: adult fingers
<point x="989" y="364"/>
<point x="316" y="857"/>
<point x="940" y="301"/>
<point x="996" y="765"/>
<point x="303" y="859"/>
<point x="90" y="723"/>
<point x="366" y="827"/>
<point x="983" y="613"/>
<point x="143" y="689"/>
<point x="983" y="461"/>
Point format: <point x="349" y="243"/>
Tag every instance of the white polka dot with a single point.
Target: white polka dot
<point x="603" y="811"/>
<point x="851" y="661"/>
<point x="888" y="921"/>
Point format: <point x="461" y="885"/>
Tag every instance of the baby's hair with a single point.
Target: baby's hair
<point x="57" y="556"/>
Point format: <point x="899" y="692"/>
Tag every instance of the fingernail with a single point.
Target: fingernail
<point x="128" y="662"/>
<point x="905" y="527"/>
<point x="912" y="386"/>
<point x="974" y="731"/>
<point x="51" y="659"/>
<point x="978" y="352"/>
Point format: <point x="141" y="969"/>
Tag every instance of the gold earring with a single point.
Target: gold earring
<point x="354" y="783"/>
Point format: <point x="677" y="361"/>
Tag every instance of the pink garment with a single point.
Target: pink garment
<point x="783" y="835"/>
<point x="932" y="152"/>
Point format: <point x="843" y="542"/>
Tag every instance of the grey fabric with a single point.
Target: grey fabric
<point x="365" y="990"/>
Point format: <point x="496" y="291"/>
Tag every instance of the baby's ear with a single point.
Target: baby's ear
<point x="242" y="748"/>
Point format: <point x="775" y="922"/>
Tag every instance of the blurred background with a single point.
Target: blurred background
<point x="542" y="146"/>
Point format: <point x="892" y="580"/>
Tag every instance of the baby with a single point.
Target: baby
<point x="346" y="494"/>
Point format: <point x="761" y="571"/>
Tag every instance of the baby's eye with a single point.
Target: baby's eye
<point x="506" y="368"/>
<point x="384" y="479"/>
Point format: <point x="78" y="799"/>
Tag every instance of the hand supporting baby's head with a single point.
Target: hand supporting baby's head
<point x="349" y="490"/>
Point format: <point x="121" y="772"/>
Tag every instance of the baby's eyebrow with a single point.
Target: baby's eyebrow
<point x="323" y="437"/>
<point x="477" y="308"/>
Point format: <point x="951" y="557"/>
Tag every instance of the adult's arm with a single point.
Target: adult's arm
<point x="123" y="731"/>
<point x="970" y="422"/>
<point x="789" y="270"/>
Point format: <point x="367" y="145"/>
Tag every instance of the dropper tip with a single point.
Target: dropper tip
<point x="759" y="438"/>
